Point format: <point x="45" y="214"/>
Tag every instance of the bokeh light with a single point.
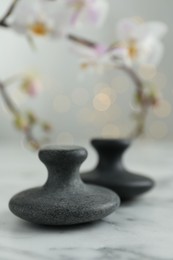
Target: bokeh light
<point x="101" y="102"/>
<point x="163" y="109"/>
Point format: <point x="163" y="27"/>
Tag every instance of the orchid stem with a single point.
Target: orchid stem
<point x="15" y="112"/>
<point x="142" y="115"/>
<point x="10" y="10"/>
<point x="81" y="41"/>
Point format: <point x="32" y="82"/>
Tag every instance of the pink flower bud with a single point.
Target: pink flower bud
<point x="31" y="85"/>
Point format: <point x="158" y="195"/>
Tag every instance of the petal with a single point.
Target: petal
<point x="50" y="13"/>
<point x="61" y="21"/>
<point x="92" y="12"/>
<point x="126" y="29"/>
<point x="23" y="14"/>
<point x="155" y="29"/>
<point x="150" y="52"/>
<point x="98" y="11"/>
<point x="156" y="55"/>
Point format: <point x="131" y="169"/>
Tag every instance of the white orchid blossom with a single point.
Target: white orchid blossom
<point x="40" y="18"/>
<point x="137" y="44"/>
<point x="98" y="57"/>
<point x="141" y="41"/>
<point x="88" y="11"/>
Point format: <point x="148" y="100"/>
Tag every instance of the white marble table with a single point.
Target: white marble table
<point x="141" y="230"/>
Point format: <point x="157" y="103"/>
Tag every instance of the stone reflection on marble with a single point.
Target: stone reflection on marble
<point x="140" y="230"/>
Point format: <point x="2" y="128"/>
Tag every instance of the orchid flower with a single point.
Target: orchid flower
<point x="99" y="57"/>
<point x="141" y="41"/>
<point x="137" y="44"/>
<point x="96" y="57"/>
<point x="31" y="85"/>
<point x="40" y="18"/>
<point x="90" y="11"/>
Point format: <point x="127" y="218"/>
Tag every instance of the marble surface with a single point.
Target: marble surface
<point x="140" y="230"/>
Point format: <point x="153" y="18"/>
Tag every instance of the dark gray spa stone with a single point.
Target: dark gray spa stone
<point x="111" y="173"/>
<point x="64" y="199"/>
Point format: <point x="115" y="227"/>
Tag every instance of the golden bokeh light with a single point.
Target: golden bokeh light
<point x="163" y="109"/>
<point x="110" y="92"/>
<point x="62" y="104"/>
<point x="102" y="102"/>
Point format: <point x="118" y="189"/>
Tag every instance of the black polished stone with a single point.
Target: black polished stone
<point x="64" y="199"/>
<point x="111" y="173"/>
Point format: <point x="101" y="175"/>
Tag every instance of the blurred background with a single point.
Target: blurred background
<point x="81" y="105"/>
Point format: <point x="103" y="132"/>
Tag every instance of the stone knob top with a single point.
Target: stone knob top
<point x="53" y="154"/>
<point x="110" y="143"/>
<point x="110" y="146"/>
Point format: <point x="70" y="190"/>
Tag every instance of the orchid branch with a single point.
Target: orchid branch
<point x="144" y="101"/>
<point x="82" y="41"/>
<point x="141" y="118"/>
<point x="26" y="128"/>
<point x="142" y="115"/>
<point x="16" y="113"/>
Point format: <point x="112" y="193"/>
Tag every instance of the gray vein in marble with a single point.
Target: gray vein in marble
<point x="108" y="253"/>
<point x="133" y="254"/>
